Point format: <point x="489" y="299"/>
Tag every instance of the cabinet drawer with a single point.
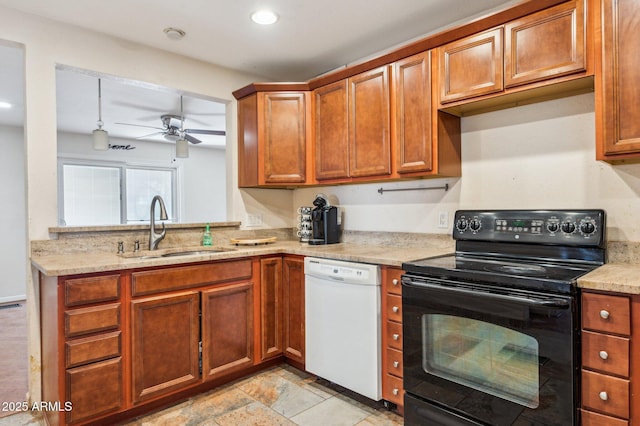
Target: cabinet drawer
<point x="394" y="307"/>
<point x="392" y="390"/>
<point x="392" y="282"/>
<point x="159" y="280"/>
<point x="610" y="314"/>
<point x="82" y="291"/>
<point x="394" y="335"/>
<point x="606" y="353"/>
<point x="604" y="393"/>
<point x="90" y="320"/>
<point x="589" y="418"/>
<point x="91" y="349"/>
<point x="394" y="362"/>
<point x="94" y="389"/>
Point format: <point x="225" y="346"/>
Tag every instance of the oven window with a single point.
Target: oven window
<point x="483" y="356"/>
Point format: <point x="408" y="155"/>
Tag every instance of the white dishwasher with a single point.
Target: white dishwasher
<point x="342" y="314"/>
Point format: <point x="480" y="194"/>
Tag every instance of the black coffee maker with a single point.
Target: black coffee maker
<point x="325" y="223"/>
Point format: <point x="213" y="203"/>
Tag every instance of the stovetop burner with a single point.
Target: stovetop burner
<point x="528" y="270"/>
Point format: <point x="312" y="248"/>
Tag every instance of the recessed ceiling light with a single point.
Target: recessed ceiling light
<point x="5" y="105"/>
<point x="264" y="17"/>
<point x="174" y="33"/>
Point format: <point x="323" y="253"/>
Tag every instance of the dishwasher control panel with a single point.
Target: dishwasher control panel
<point x="337" y="270"/>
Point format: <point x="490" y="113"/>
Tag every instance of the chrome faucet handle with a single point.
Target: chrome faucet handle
<point x="120" y="247"/>
<point x="136" y="246"/>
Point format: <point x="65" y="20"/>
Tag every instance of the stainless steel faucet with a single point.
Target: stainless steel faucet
<point x="155" y="237"/>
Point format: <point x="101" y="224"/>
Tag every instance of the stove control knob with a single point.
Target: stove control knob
<point x="461" y="224"/>
<point x="475" y="224"/>
<point x="587" y="227"/>
<point x="568" y="227"/>
<point x="553" y="227"/>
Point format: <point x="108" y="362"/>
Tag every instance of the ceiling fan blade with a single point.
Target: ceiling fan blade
<point x="205" y="132"/>
<point x="149" y="135"/>
<point x="140" y="125"/>
<point x="192" y="139"/>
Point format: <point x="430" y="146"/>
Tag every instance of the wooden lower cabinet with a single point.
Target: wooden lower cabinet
<point x="294" y="327"/>
<point x="271" y="307"/>
<point x="94" y="389"/>
<point x="227" y="329"/>
<point x="392" y="375"/>
<point x="165" y="342"/>
<point x="610" y="359"/>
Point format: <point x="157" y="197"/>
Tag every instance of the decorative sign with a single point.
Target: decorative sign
<point x="121" y="147"/>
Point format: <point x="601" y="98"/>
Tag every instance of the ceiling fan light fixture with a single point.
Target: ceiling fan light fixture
<point x="264" y="17"/>
<point x="174" y="33"/>
<point x="182" y="148"/>
<point x="100" y="136"/>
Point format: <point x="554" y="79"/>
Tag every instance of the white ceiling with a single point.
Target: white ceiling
<point x="311" y="38"/>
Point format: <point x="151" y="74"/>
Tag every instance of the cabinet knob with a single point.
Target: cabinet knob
<point x="396" y="391"/>
<point x="604" y="314"/>
<point x="604" y="396"/>
<point x="396" y="364"/>
<point x="395" y="309"/>
<point x="394" y="281"/>
<point x="604" y="354"/>
<point x="396" y="336"/>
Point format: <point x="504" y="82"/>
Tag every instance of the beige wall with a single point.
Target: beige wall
<point x="530" y="157"/>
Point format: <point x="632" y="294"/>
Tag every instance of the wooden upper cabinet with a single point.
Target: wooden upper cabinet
<point x="546" y="44"/>
<point x="285" y="139"/>
<point x="331" y="111"/>
<point x="413" y="115"/>
<point x="617" y="90"/>
<point x="274" y="130"/>
<point x="471" y="66"/>
<point x="369" y="124"/>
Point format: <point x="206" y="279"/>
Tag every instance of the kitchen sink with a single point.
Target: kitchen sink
<point x="155" y="254"/>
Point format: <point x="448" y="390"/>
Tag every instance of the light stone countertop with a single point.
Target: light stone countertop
<point x="615" y="277"/>
<point x="84" y="263"/>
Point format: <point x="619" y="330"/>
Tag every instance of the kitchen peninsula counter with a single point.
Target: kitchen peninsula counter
<point x="84" y="263"/>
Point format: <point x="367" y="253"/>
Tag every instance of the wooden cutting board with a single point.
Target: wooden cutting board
<point x="252" y="241"/>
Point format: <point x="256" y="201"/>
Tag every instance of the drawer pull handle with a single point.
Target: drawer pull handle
<point x="604" y="396"/>
<point x="604" y="354"/>
<point x="396" y="391"/>
<point x="396" y="336"/>
<point x="604" y="314"/>
<point x="395" y="281"/>
<point x="395" y="309"/>
<point x="396" y="364"/>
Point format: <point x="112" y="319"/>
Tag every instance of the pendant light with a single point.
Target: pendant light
<point x="182" y="146"/>
<point x="100" y="136"/>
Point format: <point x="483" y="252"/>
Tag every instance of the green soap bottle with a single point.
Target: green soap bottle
<point x="206" y="238"/>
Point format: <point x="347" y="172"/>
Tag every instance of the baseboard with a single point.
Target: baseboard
<point x="13" y="299"/>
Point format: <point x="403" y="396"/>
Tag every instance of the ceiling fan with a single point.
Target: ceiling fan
<point x="173" y="128"/>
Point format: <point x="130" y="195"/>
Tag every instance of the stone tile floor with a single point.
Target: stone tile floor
<point x="281" y="395"/>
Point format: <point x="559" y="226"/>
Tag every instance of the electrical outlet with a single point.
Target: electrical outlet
<point x="254" y="219"/>
<point x="443" y="220"/>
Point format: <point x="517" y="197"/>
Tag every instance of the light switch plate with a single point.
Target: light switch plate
<point x="254" y="219"/>
<point x="443" y="219"/>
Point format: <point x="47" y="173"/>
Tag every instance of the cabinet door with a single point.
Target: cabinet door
<point x="369" y="122"/>
<point x="617" y="89"/>
<point x="165" y="340"/>
<point x="271" y="307"/>
<point x="227" y="329"/>
<point x="471" y="66"/>
<point x="546" y="44"/>
<point x="94" y="389"/>
<point x="413" y="113"/>
<point x="283" y="122"/>
<point x="331" y="131"/>
<point x="293" y="283"/>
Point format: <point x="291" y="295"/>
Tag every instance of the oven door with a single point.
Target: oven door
<point x="476" y="354"/>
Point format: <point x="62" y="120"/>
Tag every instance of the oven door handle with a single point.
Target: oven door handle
<point x="547" y="303"/>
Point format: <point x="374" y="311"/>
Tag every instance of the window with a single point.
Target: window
<point x="111" y="194"/>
